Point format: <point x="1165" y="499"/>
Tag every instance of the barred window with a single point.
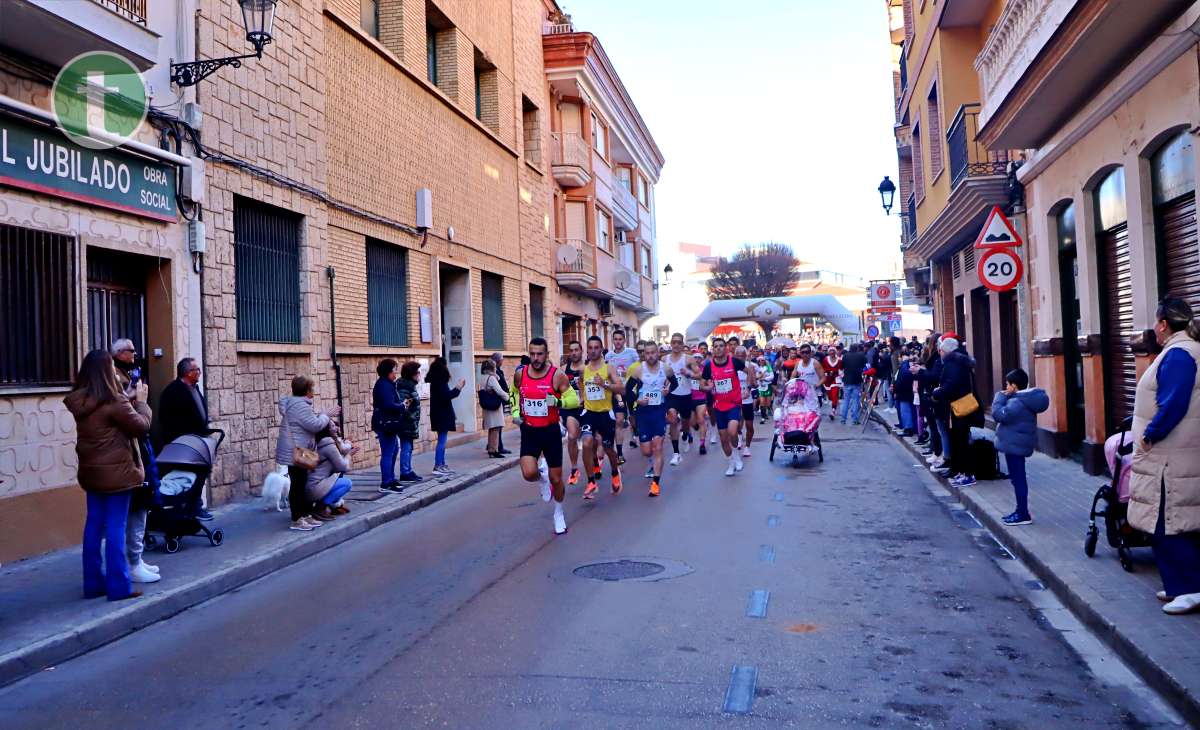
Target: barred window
<point x="387" y="293"/>
<point x="493" y="311"/>
<point x="37" y="291"/>
<point x="266" y="248"/>
<point x="537" y="311"/>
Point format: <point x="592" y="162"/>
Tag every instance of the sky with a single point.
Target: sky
<point x="774" y="117"/>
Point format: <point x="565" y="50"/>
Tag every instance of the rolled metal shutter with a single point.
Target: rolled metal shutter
<point x="1180" y="249"/>
<point x="1120" y="364"/>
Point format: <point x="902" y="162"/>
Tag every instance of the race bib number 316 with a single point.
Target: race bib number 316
<point x="536" y="407"/>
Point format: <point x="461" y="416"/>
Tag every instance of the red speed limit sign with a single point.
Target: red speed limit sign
<point x="1000" y="269"/>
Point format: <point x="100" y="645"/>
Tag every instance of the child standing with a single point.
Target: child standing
<point x="1015" y="411"/>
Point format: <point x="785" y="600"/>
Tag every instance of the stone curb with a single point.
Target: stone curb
<point x="1152" y="672"/>
<point x="151" y="609"/>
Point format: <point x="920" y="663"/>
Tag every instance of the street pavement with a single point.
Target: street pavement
<point x="874" y="605"/>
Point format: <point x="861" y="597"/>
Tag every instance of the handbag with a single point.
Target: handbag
<point x="964" y="406"/>
<point x="305" y="458"/>
<point x="489" y="400"/>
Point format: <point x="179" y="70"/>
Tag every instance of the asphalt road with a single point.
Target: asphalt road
<point x="881" y="610"/>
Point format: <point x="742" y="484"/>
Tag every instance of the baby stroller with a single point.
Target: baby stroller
<point x="798" y="422"/>
<point x="1118" y="452"/>
<point x="188" y="458"/>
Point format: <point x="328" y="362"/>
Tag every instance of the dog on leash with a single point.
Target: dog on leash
<point x="275" y="490"/>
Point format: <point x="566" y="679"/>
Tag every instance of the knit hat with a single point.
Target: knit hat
<point x="948" y="344"/>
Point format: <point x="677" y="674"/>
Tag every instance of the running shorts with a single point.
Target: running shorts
<point x="619" y="408"/>
<point x="651" y="422"/>
<point x="543" y="441"/>
<point x="724" y="418"/>
<point x="601" y="425"/>
<point x="747" y="411"/>
<point x="564" y="414"/>
<point x="682" y="404"/>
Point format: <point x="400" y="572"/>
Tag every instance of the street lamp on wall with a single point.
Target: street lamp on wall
<point x="887" y="193"/>
<point x="667" y="271"/>
<point x="258" y="19"/>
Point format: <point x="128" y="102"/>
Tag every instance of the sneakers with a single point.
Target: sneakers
<point x="963" y="480"/>
<point x="745" y="451"/>
<point x="650" y="472"/>
<point x="1186" y="603"/>
<point x="620" y="459"/>
<point x="932" y="457"/>
<point x="1015" y="520"/>
<point x="149" y="567"/>
<point x="941" y="471"/>
<point x="703" y="449"/>
<point x="391" y="488"/>
<point x="633" y="444"/>
<point x="574" y="478"/>
<point x="1162" y="596"/>
<point x="713" y="438"/>
<point x="443" y="471"/>
<point x="141" y="574"/>
<point x="616" y="483"/>
<point x="560" y="520"/>
<point x="544" y="482"/>
<point x="203" y="515"/>
<point x="300" y="525"/>
<point x="589" y="492"/>
<point x="409" y="477"/>
<point x="687" y="445"/>
<point x="677" y="459"/>
<point x="654" y="490"/>
<point x="737" y="462"/>
<point x="731" y="469"/>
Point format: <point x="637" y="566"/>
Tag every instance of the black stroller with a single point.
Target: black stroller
<point x="171" y="514"/>
<point x="1115" y="497"/>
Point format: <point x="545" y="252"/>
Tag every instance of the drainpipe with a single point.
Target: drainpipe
<point x="337" y="367"/>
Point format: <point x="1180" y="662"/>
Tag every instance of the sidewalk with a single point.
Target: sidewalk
<point x="44" y="619"/>
<point x="1119" y="606"/>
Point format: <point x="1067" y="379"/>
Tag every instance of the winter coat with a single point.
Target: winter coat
<point x="334" y="462"/>
<point x="441" y="406"/>
<point x="495" y="418"/>
<point x="178" y="414"/>
<point x="904" y="384"/>
<point x="410" y="418"/>
<point x="930" y="378"/>
<point x="106" y="441"/>
<point x="299" y="427"/>
<point x="956" y="378"/>
<point x="1172" y="463"/>
<point x="1016" y="420"/>
<point x="386" y="404"/>
<point x="853" y="365"/>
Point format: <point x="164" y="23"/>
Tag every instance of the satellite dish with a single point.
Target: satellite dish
<point x="567" y="255"/>
<point x="624" y="280"/>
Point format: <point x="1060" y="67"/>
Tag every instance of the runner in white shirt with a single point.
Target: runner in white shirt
<point x="621" y="358"/>
<point x="749" y="379"/>
<point x="680" y="402"/>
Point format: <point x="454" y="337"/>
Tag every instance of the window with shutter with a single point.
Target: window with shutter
<point x="493" y="311"/>
<point x="266" y="252"/>
<point x="387" y="293"/>
<point x="918" y="163"/>
<point x="537" y="311"/>
<point x="935" y="135"/>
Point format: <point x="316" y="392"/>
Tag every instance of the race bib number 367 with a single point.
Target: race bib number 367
<point x="724" y="385"/>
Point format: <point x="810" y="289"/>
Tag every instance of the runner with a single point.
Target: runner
<point x="651" y="381"/>
<point x="621" y="358"/>
<point x="719" y="376"/>
<point x="539" y="385"/>
<point x="747" y="381"/>
<point x="699" y="422"/>
<point x="600" y="383"/>
<point x="679" y="402"/>
<point x="832" y="365"/>
<point x="572" y="417"/>
<point x="766" y="388"/>
<point x="808" y="369"/>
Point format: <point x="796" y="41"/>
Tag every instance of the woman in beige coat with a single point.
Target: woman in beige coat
<point x="1165" y="484"/>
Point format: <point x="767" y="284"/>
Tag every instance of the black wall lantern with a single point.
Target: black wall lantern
<point x="887" y="192"/>
<point x="258" y="18"/>
<point x="667" y="271"/>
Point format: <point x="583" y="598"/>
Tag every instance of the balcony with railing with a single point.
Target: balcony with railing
<point x="625" y="206"/>
<point x="54" y="31"/>
<point x="903" y="70"/>
<point x="571" y="159"/>
<point x="575" y="265"/>
<point x="968" y="156"/>
<point x="627" y="286"/>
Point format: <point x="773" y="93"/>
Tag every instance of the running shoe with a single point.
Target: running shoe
<point x="621" y="460"/>
<point x="731" y="470"/>
<point x="687" y="445"/>
<point x="964" y="480"/>
<point x="1016" y="520"/>
<point x="745" y="451"/>
<point x="597" y="475"/>
<point x="703" y="449"/>
<point x="633" y="444"/>
<point x="650" y="472"/>
<point x="544" y="482"/>
<point x="590" y="490"/>
<point x="677" y="459"/>
<point x="737" y="461"/>
<point x="941" y="471"/>
<point x="712" y="439"/>
<point x="560" y="520"/>
<point x="654" y="491"/>
<point x="574" y="478"/>
<point x="616" y="483"/>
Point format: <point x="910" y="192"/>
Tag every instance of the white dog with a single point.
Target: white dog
<point x="275" y="490"/>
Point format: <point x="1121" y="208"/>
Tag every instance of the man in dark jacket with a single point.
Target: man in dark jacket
<point x="854" y="363"/>
<point x="957" y="380"/>
<point x="183" y="409"/>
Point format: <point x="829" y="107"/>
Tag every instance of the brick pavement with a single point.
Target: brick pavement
<point x="1119" y="606"/>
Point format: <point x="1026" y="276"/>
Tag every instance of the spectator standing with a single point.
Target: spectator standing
<point x="498" y="361"/>
<point x="441" y="409"/>
<point x="493" y="418"/>
<point x="1015" y="411"/>
<point x="1164" y="488"/>
<point x="410" y="420"/>
<point x="387" y="411"/>
<point x="902" y="394"/>
<point x="298" y="429"/>
<point x="958" y="374"/>
<point x="853" y="365"/>
<point x="107" y="425"/>
<point x="183" y="410"/>
<point x="128" y="376"/>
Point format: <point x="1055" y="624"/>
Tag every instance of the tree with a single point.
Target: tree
<point x="755" y="272"/>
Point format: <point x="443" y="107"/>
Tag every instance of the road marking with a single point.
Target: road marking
<point x="772" y="520"/>
<point x="766" y="553"/>
<point x="757" y="607"/>
<point x="740" y="696"/>
<point x="779" y="496"/>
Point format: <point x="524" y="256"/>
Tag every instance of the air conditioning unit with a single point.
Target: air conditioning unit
<point x="605" y="307"/>
<point x="622" y="240"/>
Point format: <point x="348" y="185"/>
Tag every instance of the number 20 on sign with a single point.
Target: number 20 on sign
<point x="1000" y="269"/>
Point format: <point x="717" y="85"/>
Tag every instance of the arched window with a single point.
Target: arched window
<point x="1173" y="182"/>
<point x="1110" y="200"/>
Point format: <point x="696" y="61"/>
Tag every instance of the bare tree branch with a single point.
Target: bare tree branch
<point x="755" y="272"/>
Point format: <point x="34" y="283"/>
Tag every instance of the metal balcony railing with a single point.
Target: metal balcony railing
<point x="134" y="10"/>
<point x="968" y="157"/>
<point x="624" y="199"/>
<point x="570" y="148"/>
<point x="582" y="261"/>
<point x="903" y="70"/>
<point x="910" y="220"/>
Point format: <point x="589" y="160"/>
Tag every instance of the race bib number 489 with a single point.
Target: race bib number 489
<point x="654" y="397"/>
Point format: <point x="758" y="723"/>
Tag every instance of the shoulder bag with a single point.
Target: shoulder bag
<point x="488" y="399"/>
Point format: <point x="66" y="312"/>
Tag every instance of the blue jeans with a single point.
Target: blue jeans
<point x="106" y="515"/>
<point x="1016" y="473"/>
<point x="943" y="427"/>
<point x="388" y="447"/>
<point x="406" y="449"/>
<point x="1178" y="556"/>
<point x="851" y="402"/>
<point x="439" y="454"/>
<point x="908" y="416"/>
<point x="341" y="487"/>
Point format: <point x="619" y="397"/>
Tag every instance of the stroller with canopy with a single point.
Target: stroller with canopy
<point x="798" y="422"/>
<point x="184" y="464"/>
<point x="1112" y="502"/>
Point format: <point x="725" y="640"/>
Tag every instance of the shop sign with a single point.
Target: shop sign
<point x="42" y="159"/>
<point x="882" y="292"/>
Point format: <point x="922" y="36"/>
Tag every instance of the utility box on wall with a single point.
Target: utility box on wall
<point x="424" y="208"/>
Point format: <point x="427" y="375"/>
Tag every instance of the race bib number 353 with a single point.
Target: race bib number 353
<point x="594" y="392"/>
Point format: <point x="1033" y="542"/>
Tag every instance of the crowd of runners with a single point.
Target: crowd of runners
<point x="649" y="396"/>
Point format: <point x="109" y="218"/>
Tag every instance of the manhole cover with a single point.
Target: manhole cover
<point x="619" y="570"/>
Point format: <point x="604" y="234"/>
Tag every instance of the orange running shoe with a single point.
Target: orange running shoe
<point x="574" y="479"/>
<point x="654" y="488"/>
<point x="616" y="483"/>
<point x="590" y="491"/>
<point x="597" y="475"/>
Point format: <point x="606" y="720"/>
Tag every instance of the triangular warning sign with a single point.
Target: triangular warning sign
<point x="997" y="231"/>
